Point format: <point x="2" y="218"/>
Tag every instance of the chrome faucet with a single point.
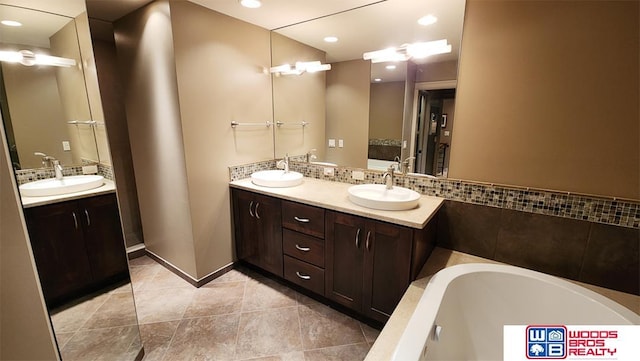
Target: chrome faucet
<point x="311" y="156"/>
<point x="387" y="177"/>
<point x="284" y="163"/>
<point x="406" y="165"/>
<point x="57" y="168"/>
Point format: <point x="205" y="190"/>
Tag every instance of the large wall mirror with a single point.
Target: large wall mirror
<point x="366" y="113"/>
<point x="45" y="106"/>
<point x="46" y="109"/>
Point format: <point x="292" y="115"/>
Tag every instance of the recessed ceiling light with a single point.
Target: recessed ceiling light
<point x="11" y="23"/>
<point x="331" y="39"/>
<point x="427" y="20"/>
<point x="390" y="67"/>
<point x="377" y="80"/>
<point x="251" y="4"/>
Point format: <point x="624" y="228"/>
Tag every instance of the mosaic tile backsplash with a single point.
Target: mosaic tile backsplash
<point x="33" y="174"/>
<point x="625" y="213"/>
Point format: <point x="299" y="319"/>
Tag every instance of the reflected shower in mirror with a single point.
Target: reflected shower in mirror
<point x="44" y="103"/>
<point x="367" y="123"/>
<point x="77" y="244"/>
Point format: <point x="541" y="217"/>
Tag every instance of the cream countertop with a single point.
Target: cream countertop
<point x="441" y="258"/>
<point x="107" y="187"/>
<point x="334" y="196"/>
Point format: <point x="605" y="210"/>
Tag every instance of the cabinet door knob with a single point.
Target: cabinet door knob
<point x="75" y="219"/>
<point x="303" y="249"/>
<point x="256" y="210"/>
<point x="358" y="238"/>
<point x="301" y="220"/>
<point x="88" y="219"/>
<point x="250" y="209"/>
<point x="304" y="277"/>
<point x="368" y="242"/>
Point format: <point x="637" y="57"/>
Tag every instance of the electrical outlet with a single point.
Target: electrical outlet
<point x="90" y="169"/>
<point x="340" y="143"/>
<point x="332" y="143"/>
<point x="357" y="175"/>
<point x="66" y="146"/>
<point x="328" y="171"/>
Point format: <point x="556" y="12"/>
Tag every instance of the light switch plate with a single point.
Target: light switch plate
<point x="332" y="143"/>
<point x="357" y="175"/>
<point x="66" y="146"/>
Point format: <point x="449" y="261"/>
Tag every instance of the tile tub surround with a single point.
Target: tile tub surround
<point x="605" y="210"/>
<point x="600" y="254"/>
<point x="241" y="315"/>
<point x="384" y="345"/>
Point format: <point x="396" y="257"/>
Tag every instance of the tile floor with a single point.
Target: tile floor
<point x="239" y="316"/>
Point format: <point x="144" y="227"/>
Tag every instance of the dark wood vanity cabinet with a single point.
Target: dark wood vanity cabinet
<point x="258" y="230"/>
<point x="77" y="245"/>
<point x="368" y="263"/>
<point x="360" y="263"/>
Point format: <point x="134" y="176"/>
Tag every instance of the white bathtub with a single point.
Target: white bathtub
<point x="472" y="302"/>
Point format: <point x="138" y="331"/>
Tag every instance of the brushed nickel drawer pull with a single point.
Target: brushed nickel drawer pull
<point x="304" y="277"/>
<point x="301" y="220"/>
<point x="88" y="219"/>
<point x="256" y="211"/>
<point x="358" y="238"/>
<point x="368" y="243"/>
<point x="303" y="249"/>
<point x="251" y="211"/>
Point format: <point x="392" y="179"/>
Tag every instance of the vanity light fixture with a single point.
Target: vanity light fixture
<point x="331" y="39"/>
<point x="408" y="51"/>
<point x="251" y="4"/>
<point x="427" y="20"/>
<point x="11" y="23"/>
<point x="28" y="58"/>
<point x="300" y="68"/>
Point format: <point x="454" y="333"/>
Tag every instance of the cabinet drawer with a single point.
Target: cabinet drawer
<point x="303" y="218"/>
<point x="303" y="247"/>
<point x="304" y="274"/>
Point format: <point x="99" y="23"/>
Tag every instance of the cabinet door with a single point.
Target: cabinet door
<point x="103" y="237"/>
<point x="344" y="260"/>
<point x="387" y="268"/>
<point x="58" y="248"/>
<point x="268" y="214"/>
<point x="258" y="230"/>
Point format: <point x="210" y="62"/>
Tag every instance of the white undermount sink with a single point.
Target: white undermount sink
<point x="276" y="178"/>
<point x="53" y="187"/>
<point x="377" y="196"/>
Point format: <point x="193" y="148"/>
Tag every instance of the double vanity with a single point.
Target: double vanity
<point x="317" y="235"/>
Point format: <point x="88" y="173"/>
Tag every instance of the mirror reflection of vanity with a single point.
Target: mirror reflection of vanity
<point x="76" y="241"/>
<point x="374" y="112"/>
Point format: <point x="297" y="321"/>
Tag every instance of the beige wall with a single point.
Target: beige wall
<point x="146" y="60"/>
<point x="37" y="125"/>
<point x="548" y="96"/>
<point x="220" y="78"/>
<point x="386" y="106"/>
<point x="25" y="331"/>
<point x="298" y="98"/>
<point x="120" y="148"/>
<point x="444" y="70"/>
<point x="348" y="112"/>
<point x="183" y="87"/>
<point x="92" y="89"/>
